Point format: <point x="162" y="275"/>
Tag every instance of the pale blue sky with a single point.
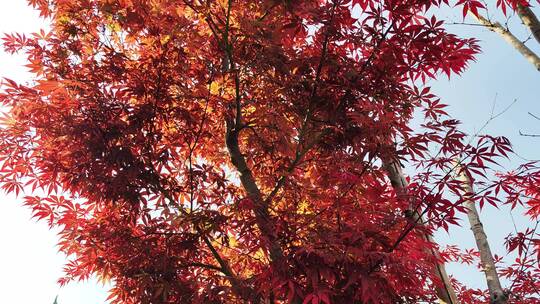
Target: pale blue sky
<point x="30" y="264"/>
<point x="500" y="74"/>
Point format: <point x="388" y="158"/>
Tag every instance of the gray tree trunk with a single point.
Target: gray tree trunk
<point x="511" y="39"/>
<point x="496" y="292"/>
<point x="530" y="20"/>
<point x="445" y="292"/>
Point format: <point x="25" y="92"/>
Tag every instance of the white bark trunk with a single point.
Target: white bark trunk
<point x="445" y="293"/>
<point x="530" y="20"/>
<point x="496" y="292"/>
<point x="511" y="39"/>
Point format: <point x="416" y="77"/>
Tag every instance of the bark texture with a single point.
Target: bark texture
<point x="496" y="292"/>
<point x="262" y="215"/>
<point x="511" y="39"/>
<point x="529" y="19"/>
<point x="445" y="292"/>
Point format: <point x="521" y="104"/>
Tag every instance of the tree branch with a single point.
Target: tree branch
<point x="530" y="20"/>
<point x="237" y="285"/>
<point x="301" y="151"/>
<point x="446" y="292"/>
<point x="528" y="135"/>
<point x="511" y="39"/>
<point x="538" y="118"/>
<point x="203" y="265"/>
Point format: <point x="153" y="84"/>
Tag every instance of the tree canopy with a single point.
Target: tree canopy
<point x="226" y="151"/>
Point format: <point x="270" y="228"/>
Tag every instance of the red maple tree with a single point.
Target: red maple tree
<point x="230" y="151"/>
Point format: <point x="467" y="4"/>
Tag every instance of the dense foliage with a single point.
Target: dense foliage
<point x="231" y="151"/>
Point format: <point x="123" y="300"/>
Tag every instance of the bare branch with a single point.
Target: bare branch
<point x="533" y="115"/>
<point x="530" y="20"/>
<point x="528" y="135"/>
<point x="511" y="39"/>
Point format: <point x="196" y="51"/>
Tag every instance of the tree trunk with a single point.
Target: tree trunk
<point x="511" y="39"/>
<point x="445" y="292"/>
<point x="530" y="20"/>
<point x="497" y="294"/>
